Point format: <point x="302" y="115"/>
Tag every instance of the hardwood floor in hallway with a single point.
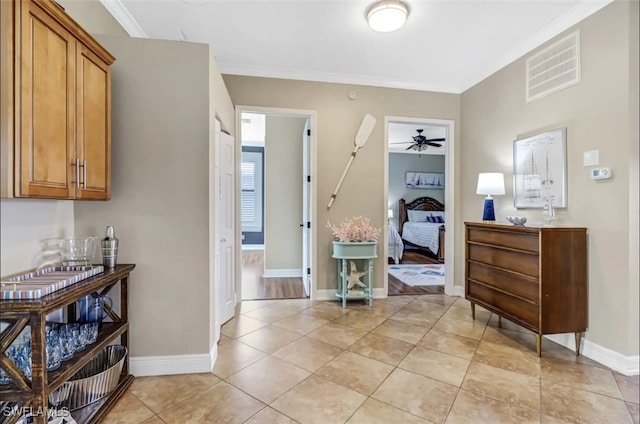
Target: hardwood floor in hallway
<point x="256" y="286"/>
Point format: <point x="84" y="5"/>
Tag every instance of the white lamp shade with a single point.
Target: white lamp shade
<point x="387" y="15"/>
<point x="490" y="183"/>
<point x="390" y="213"/>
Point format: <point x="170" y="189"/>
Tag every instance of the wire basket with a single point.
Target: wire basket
<point x="94" y="381"/>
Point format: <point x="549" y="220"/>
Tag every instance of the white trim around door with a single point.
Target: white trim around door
<point x="449" y="206"/>
<point x="312" y="115"/>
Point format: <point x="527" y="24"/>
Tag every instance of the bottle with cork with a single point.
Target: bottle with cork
<point x="109" y="248"/>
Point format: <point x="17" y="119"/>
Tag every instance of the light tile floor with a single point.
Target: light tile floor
<point x="407" y="359"/>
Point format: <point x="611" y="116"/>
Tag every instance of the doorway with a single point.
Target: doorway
<point x="419" y="168"/>
<point x="276" y="195"/>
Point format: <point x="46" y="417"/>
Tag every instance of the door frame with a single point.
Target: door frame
<point x="312" y="115"/>
<point x="449" y="196"/>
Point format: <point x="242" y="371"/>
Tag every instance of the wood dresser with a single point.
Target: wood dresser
<point x="533" y="276"/>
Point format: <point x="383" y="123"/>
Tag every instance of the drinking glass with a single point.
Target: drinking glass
<point x="54" y="352"/>
<point x="66" y="342"/>
<point x="91" y="330"/>
<point x="78" y="340"/>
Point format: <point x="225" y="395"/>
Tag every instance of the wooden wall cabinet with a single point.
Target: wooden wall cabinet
<point x="533" y="276"/>
<point x="56" y="105"/>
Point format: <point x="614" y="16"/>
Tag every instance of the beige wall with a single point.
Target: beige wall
<point x="92" y="16"/>
<point x="24" y="223"/>
<point x="160" y="186"/>
<point x="338" y="121"/>
<point x="597" y="115"/>
<point x="283" y="192"/>
<point x="399" y="164"/>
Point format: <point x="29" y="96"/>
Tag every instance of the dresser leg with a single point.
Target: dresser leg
<point x="473" y="311"/>
<point x="499" y="321"/>
<point x="578" y="343"/>
<point x="539" y="345"/>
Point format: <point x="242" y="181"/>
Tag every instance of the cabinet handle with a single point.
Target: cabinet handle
<point x="84" y="171"/>
<point x="77" y="165"/>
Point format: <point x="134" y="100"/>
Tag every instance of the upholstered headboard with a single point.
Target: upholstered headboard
<point x="420" y="204"/>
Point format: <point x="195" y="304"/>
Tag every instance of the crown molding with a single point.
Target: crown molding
<point x="124" y="18"/>
<point x="291" y="74"/>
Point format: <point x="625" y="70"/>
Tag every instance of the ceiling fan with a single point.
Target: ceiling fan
<point x="421" y="143"/>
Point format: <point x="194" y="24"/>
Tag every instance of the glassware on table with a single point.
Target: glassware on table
<point x="77" y="338"/>
<point x="78" y="250"/>
<point x="54" y="352"/>
<point x="91" y="308"/>
<point x="91" y="331"/>
<point x="67" y="343"/>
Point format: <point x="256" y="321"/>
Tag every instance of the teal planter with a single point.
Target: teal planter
<point x="355" y="249"/>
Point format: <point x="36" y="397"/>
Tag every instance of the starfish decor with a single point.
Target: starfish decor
<point x="354" y="277"/>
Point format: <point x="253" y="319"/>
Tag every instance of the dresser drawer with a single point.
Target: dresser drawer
<point x="511" y="306"/>
<point x="519" y="285"/>
<point x="522" y="241"/>
<point x="524" y="263"/>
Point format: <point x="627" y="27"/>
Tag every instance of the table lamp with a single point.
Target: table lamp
<point x="490" y="183"/>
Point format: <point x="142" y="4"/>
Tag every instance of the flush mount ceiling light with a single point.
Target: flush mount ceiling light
<point x="387" y="15"/>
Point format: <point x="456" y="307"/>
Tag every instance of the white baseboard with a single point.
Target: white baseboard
<point x="252" y="247"/>
<point x="143" y="366"/>
<point x="458" y="291"/>
<point x="627" y="365"/>
<point x="283" y="273"/>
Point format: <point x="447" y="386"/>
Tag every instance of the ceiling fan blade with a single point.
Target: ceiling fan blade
<point x="413" y="146"/>
<point x="402" y="142"/>
<point x="435" y="139"/>
<point x="434" y="144"/>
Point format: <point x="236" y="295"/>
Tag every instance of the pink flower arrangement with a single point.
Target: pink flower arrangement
<point x="356" y="228"/>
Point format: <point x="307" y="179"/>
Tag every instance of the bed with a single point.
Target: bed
<point x="396" y="245"/>
<point x="422" y="227"/>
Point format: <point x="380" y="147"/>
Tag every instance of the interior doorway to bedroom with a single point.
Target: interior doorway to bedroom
<point x="417" y="179"/>
<point x="274" y="204"/>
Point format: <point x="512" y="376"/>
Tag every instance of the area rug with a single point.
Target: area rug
<point x="419" y="275"/>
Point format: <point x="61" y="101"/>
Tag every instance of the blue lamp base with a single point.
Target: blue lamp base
<point x="488" y="214"/>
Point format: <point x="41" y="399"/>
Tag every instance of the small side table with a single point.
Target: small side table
<point x="355" y="268"/>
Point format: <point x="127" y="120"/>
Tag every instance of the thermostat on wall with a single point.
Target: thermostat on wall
<point x="600" y="173"/>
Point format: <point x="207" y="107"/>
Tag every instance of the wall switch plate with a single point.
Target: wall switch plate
<point x="601" y="173"/>
<point x="591" y="158"/>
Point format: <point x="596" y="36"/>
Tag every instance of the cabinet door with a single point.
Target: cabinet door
<point x="45" y="152"/>
<point x="93" y="117"/>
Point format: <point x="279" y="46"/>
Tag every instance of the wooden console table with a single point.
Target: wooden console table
<point x="34" y="394"/>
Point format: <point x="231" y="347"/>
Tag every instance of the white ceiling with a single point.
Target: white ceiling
<point x="445" y="46"/>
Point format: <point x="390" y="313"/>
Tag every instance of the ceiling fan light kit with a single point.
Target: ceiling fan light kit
<point x="387" y="15"/>
<point x="421" y="143"/>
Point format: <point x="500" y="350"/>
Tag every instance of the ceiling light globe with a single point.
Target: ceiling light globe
<point x="387" y="15"/>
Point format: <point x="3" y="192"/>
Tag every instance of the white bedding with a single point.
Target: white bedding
<point x="396" y="246"/>
<point x="424" y="234"/>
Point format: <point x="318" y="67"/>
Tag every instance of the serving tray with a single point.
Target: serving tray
<point x="38" y="283"/>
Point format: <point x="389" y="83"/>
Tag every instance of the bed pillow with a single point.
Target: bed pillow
<point x="417" y="216"/>
<point x="437" y="217"/>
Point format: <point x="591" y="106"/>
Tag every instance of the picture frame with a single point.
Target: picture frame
<point x="424" y="180"/>
<point x="540" y="170"/>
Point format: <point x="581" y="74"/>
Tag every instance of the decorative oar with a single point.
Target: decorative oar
<point x="368" y="122"/>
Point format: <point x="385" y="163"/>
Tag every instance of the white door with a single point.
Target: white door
<point x="306" y="209"/>
<point x="225" y="226"/>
